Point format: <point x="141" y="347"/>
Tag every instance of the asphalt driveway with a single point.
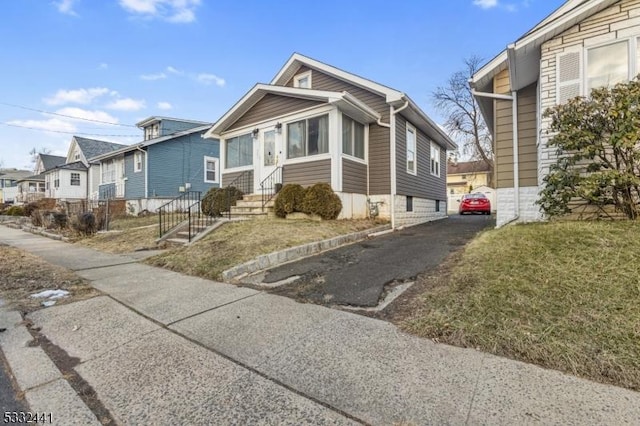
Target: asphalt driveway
<point x="357" y="274"/>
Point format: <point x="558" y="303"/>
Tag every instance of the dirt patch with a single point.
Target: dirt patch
<point x="23" y="274"/>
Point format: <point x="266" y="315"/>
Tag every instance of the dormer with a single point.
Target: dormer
<point x="155" y="127"/>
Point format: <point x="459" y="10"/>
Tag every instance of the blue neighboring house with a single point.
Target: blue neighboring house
<point x="172" y="158"/>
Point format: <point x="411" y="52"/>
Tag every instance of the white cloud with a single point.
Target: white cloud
<point x="207" y="79"/>
<point x="77" y="96"/>
<point x="485" y="4"/>
<point x="176" y="11"/>
<point x="103" y="66"/>
<point x="79" y="114"/>
<point x="173" y="70"/>
<point x="66" y="7"/>
<point x="164" y="105"/>
<point x="127" y="104"/>
<point x="152" y="77"/>
<point x="52" y="125"/>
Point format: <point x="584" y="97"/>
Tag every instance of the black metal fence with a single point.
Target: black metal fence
<point x="176" y="211"/>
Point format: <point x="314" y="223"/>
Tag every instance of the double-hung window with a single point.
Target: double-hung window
<point x="75" y="179"/>
<point x="137" y="162"/>
<point x="435" y="160"/>
<point x="239" y="151"/>
<point x="412" y="137"/>
<point x="108" y="171"/>
<point x="210" y="169"/>
<point x="308" y="137"/>
<point x="352" y="137"/>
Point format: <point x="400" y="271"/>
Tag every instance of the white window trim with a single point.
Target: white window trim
<point x="439" y="168"/>
<point x="285" y="134"/>
<point x="633" y="43"/>
<point x="223" y="153"/>
<point x="137" y="169"/>
<point x="411" y="128"/>
<point x="366" y="141"/>
<point x="301" y="76"/>
<point x="216" y="161"/>
<point x="71" y="179"/>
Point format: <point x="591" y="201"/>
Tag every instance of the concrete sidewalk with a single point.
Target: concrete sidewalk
<point x="165" y="348"/>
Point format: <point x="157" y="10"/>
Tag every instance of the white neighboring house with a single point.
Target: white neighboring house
<point x="66" y="182"/>
<point x="79" y="177"/>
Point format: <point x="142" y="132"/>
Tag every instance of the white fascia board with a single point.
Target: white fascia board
<point x="487" y="72"/>
<point x="450" y="145"/>
<point x="378" y="88"/>
<point x="256" y="93"/>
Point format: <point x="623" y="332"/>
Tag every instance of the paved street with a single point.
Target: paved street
<point x="357" y="274"/>
<point x="164" y="348"/>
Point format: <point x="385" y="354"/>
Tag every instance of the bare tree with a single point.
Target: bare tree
<point x="464" y="120"/>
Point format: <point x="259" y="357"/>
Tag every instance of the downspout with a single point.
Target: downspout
<point x="516" y="165"/>
<point x="392" y="157"/>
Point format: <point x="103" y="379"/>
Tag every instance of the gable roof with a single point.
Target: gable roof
<point x="93" y="147"/>
<point x="32" y="178"/>
<point x="345" y="100"/>
<point x="51" y="161"/>
<point x="522" y="57"/>
<point x="467" y="167"/>
<point x="140" y="145"/>
<point x="76" y="165"/>
<point x="14" y="174"/>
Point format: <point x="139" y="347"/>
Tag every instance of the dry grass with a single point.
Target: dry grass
<point x="562" y="295"/>
<point x="125" y="236"/>
<point x="22" y="274"/>
<point x="238" y="242"/>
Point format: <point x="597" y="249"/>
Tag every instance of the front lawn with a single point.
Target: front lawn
<point x="562" y="295"/>
<point x="125" y="235"/>
<point x="238" y="242"/>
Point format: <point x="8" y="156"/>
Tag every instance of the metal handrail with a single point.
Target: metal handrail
<point x="172" y="213"/>
<point x="199" y="217"/>
<point x="243" y="184"/>
<point x="268" y="186"/>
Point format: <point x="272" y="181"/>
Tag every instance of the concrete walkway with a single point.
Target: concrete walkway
<point x="164" y="348"/>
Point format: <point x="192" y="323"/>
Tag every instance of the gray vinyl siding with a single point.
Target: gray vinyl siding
<point x="271" y="106"/>
<point x="354" y="177"/>
<point x="168" y="127"/>
<point x="307" y="174"/>
<point x="379" y="152"/>
<point x="178" y="161"/>
<point x="424" y="184"/>
<point x="379" y="160"/>
<point x="134" y="185"/>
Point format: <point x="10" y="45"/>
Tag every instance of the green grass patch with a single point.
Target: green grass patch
<point x="564" y="295"/>
<point x="238" y="242"/>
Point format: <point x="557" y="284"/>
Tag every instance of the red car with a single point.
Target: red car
<point x="471" y="203"/>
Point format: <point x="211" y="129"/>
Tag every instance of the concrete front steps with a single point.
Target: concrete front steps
<point x="181" y="235"/>
<point x="250" y="207"/>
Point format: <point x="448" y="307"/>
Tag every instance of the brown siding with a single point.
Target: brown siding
<point x="354" y="177"/>
<point x="424" y="185"/>
<point x="503" y="141"/>
<point x="306" y="174"/>
<point x="379" y="160"/>
<point x="322" y="81"/>
<point x="271" y="106"/>
<point x="228" y="178"/>
<point x="527" y="140"/>
<point x="379" y="152"/>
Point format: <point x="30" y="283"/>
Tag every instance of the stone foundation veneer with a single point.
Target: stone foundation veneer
<point x="529" y="211"/>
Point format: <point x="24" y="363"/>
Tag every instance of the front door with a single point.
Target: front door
<point x="268" y="157"/>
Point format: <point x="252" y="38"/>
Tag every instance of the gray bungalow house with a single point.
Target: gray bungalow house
<point x="316" y="123"/>
<point x="172" y="158"/>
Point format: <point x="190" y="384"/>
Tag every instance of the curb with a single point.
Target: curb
<point x="37" y="231"/>
<point x="294" y="253"/>
<point x="46" y="390"/>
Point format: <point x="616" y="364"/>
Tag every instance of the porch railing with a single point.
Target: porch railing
<point x="244" y="183"/>
<point x="176" y="211"/>
<point x="271" y="185"/>
<point x="197" y="219"/>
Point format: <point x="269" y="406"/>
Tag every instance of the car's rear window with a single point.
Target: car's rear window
<point x="476" y="196"/>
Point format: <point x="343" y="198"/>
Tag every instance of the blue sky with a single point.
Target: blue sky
<point x="120" y="61"/>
